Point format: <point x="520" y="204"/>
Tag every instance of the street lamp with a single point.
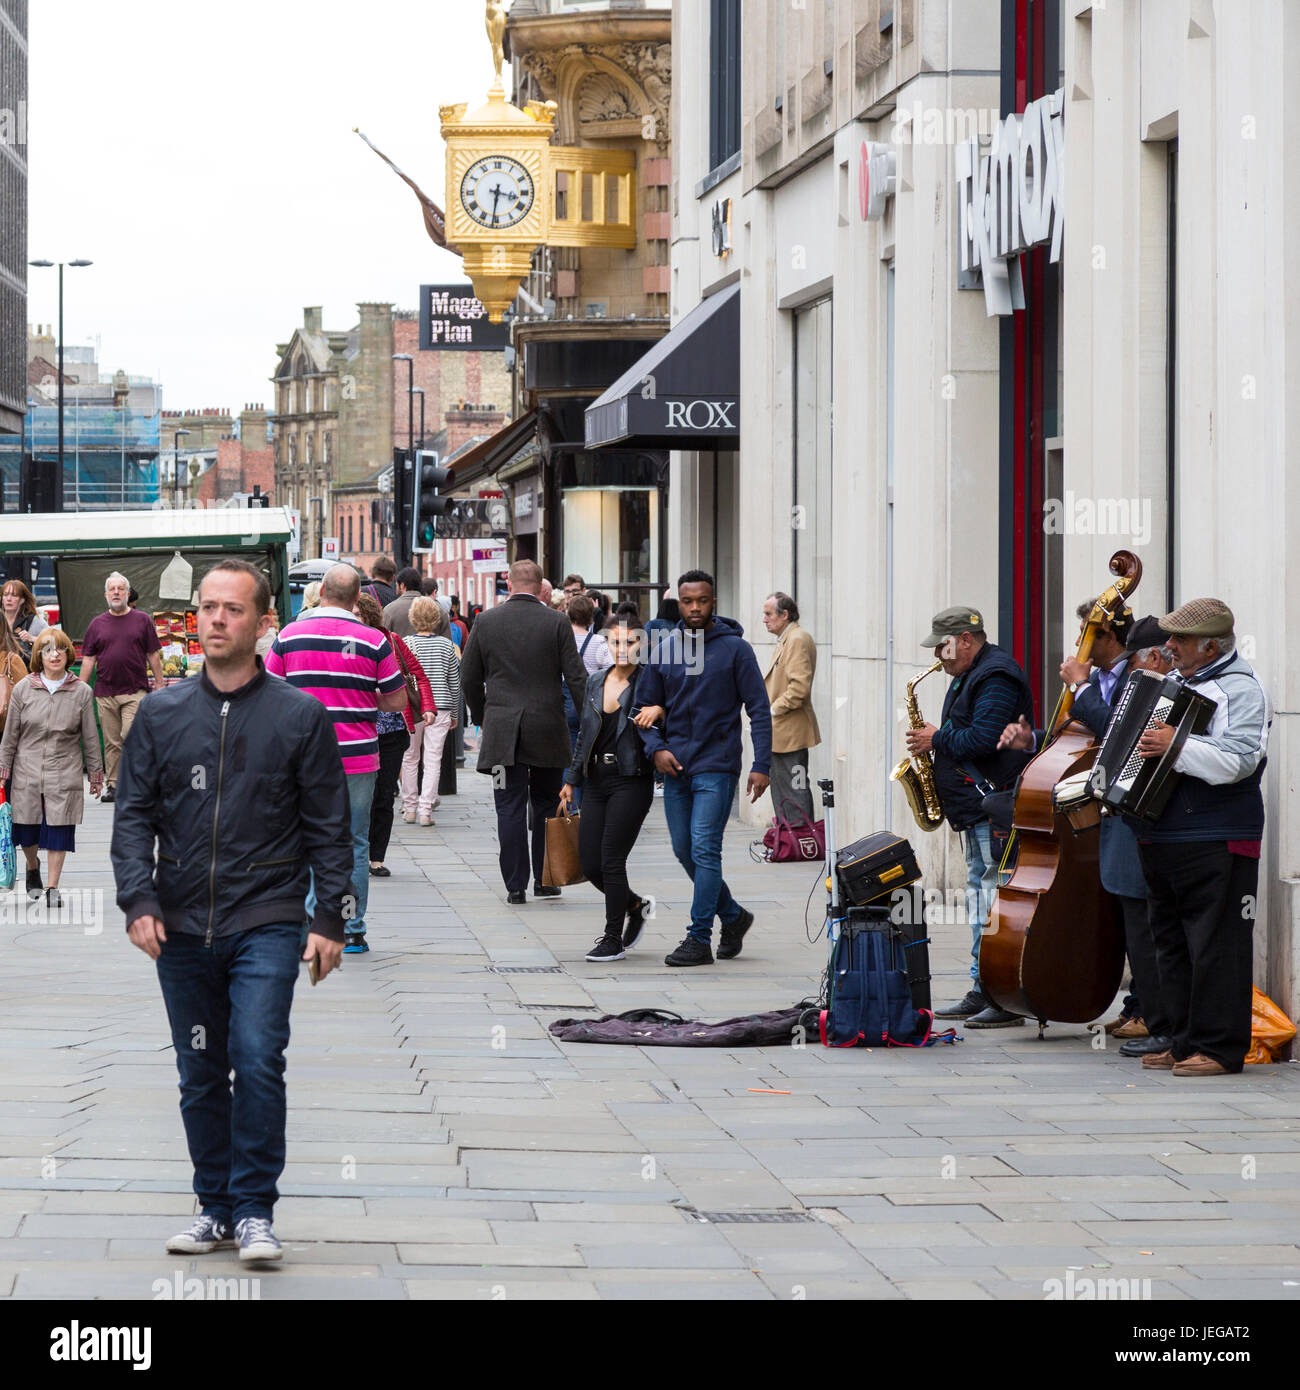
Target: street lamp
<point x="419" y="391"/>
<point x="176" y="468"/>
<point x="46" y="265"/>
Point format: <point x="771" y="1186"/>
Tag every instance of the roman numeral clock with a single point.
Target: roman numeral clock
<point x="509" y="190"/>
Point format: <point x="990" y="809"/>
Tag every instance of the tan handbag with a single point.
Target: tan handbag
<point x="562" y="865"/>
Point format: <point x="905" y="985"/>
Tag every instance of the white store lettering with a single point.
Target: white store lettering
<point x="700" y="415"/>
<point x="1012" y="199"/>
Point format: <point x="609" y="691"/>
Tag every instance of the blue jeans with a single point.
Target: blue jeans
<point x="981" y="884"/>
<point x="361" y="795"/>
<point x="697" y="808"/>
<point x="228" y="1006"/>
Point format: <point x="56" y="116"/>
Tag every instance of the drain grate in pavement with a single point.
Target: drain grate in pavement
<point x="526" y="969"/>
<point x="751" y="1218"/>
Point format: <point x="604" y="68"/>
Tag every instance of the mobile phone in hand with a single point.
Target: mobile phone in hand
<point x="313" y="970"/>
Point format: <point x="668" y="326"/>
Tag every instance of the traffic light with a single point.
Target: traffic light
<point x="426" y="504"/>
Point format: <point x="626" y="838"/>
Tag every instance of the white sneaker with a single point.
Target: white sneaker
<point x="425" y="818"/>
<point x="409" y="817"/>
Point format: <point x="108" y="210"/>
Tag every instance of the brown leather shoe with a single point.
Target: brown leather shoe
<point x="1131" y="1028"/>
<point x="1198" y="1064"/>
<point x="1159" y="1061"/>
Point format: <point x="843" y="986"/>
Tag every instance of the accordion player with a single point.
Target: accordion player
<point x="1124" y="781"/>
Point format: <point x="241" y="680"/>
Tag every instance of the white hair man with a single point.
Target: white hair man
<point x="119" y="650"/>
<point x="1201" y="858"/>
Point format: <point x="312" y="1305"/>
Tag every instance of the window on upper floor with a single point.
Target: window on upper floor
<point x="724" y="80"/>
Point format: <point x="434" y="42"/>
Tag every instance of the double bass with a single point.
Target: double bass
<point x="1054" y="944"/>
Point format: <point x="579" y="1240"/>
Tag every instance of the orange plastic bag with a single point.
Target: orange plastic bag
<point x="1270" y="1030"/>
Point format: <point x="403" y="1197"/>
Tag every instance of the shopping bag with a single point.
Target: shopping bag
<point x="1270" y="1030"/>
<point x="8" y="855"/>
<point x="562" y="865"/>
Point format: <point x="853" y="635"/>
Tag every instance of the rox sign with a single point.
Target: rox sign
<point x="701" y="415"/>
<point x="1012" y="199"/>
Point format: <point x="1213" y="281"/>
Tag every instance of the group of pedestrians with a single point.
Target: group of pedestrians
<point x="673" y="712"/>
<point x="228" y="904"/>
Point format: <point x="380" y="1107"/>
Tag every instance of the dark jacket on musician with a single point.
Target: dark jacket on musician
<point x="980" y="703"/>
<point x="631" y="758"/>
<point x="1218" y="795"/>
<point x="1118" y="859"/>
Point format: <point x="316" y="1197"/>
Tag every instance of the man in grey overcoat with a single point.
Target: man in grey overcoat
<point x="517" y="655"/>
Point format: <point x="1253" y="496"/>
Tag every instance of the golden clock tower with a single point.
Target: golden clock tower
<point x="502" y="178"/>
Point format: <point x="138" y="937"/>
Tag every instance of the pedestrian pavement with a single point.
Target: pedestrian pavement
<point x="442" y="1145"/>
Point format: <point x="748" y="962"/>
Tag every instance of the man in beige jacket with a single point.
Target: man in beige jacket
<point x="789" y="691"/>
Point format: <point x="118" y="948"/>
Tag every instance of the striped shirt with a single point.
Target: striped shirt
<point x="346" y="666"/>
<point x="441" y="664"/>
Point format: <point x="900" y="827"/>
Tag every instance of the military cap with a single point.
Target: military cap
<point x="952" y="622"/>
<point x="1199" y="617"/>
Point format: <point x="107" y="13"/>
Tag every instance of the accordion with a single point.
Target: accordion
<point x="1121" y="778"/>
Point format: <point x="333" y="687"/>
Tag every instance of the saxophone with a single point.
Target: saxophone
<point x="916" y="775"/>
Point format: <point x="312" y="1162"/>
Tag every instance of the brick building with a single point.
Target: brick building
<point x="244" y="462"/>
<point x="341" y="407"/>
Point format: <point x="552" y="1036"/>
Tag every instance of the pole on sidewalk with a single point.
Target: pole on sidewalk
<point x="447" y="773"/>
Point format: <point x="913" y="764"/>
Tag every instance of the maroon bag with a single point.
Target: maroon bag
<point x="792" y="839"/>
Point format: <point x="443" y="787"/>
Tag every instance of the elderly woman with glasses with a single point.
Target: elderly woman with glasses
<point x="50" y="739"/>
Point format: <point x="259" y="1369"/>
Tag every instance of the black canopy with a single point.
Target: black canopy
<point x="685" y="392"/>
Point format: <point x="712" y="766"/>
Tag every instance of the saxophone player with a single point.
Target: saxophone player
<point x="988" y="692"/>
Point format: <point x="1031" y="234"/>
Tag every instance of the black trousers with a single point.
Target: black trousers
<point x="613" y="810"/>
<point x="1202" y="914"/>
<point x="524" y="786"/>
<point x="391" y="748"/>
<point x="1144" y="974"/>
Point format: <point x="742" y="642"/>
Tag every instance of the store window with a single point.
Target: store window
<point x="610" y="537"/>
<point x="811" y="500"/>
<point x="724" y="81"/>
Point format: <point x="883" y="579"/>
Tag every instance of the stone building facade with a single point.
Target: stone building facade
<point x="341" y="407"/>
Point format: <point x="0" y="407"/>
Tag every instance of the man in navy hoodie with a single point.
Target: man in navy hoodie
<point x="701" y="674"/>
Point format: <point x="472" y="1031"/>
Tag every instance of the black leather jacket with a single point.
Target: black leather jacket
<point x="629" y="750"/>
<point x="242" y="791"/>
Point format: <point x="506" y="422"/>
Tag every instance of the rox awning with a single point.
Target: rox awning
<point x="685" y="392"/>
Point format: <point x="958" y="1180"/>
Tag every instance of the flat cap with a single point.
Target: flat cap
<point x="952" y="622"/>
<point x="1146" y="632"/>
<point x="1199" y="617"/>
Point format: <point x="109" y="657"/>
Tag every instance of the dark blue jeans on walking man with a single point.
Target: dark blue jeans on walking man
<point x="697" y="809"/>
<point x="228" y="1005"/>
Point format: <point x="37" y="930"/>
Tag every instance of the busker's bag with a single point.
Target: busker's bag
<point x="8" y="855"/>
<point x="870" y="1000"/>
<point x="562" y="865"/>
<point x="1270" y="1030"/>
<point x="791" y="838"/>
<point x="663" y="1028"/>
<point x="875" y="865"/>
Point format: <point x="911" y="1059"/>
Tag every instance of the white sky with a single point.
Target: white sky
<point x="203" y="157"/>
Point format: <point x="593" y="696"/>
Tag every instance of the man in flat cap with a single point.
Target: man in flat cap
<point x="988" y="692"/>
<point x="1201" y="858"/>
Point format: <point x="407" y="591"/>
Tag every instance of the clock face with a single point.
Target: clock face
<point x="497" y="191"/>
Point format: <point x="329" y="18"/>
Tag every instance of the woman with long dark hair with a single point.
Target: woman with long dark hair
<point x="610" y="764"/>
<point x="21" y="615"/>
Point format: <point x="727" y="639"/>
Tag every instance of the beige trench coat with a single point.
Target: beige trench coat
<point x="43" y="743"/>
<point x="789" y="691"/>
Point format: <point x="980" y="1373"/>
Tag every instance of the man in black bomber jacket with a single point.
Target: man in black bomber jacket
<point x="238" y="779"/>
